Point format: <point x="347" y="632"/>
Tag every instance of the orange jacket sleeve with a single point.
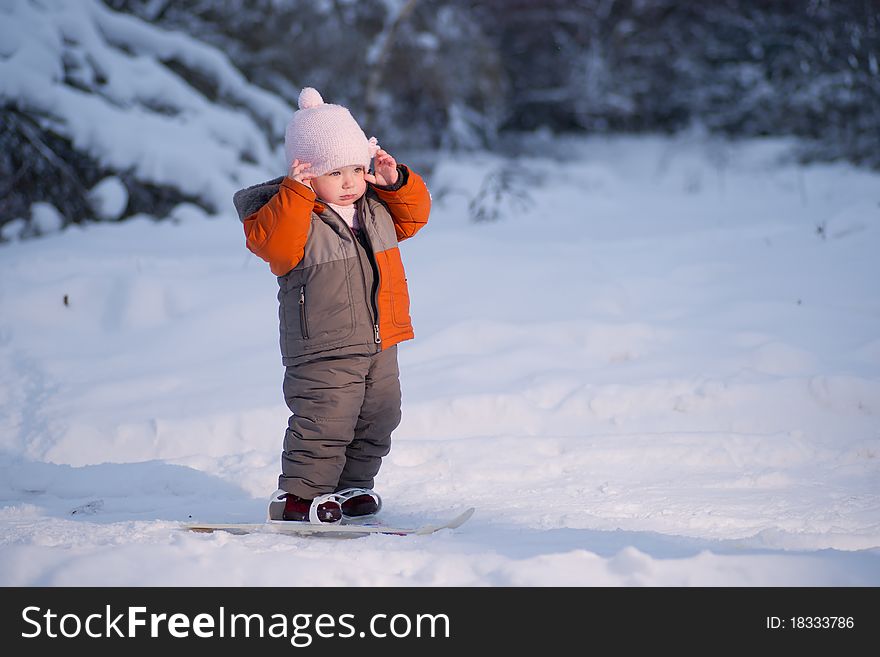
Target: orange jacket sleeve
<point x="409" y="205"/>
<point x="277" y="232"/>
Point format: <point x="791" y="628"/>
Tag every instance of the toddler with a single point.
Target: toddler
<point x="330" y="231"/>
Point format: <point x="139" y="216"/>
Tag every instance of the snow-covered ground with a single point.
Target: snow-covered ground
<point x="660" y="367"/>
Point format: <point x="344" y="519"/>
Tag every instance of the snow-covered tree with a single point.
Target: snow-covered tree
<point x="105" y="116"/>
<point x="416" y="73"/>
<point x="740" y="67"/>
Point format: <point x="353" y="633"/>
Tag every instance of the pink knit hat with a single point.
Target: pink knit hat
<point x="325" y="135"/>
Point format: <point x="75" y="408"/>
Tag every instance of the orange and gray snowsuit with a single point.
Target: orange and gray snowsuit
<point x="343" y="307"/>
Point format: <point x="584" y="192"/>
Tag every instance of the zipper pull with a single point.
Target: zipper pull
<point x="376" y="331"/>
<point x="302" y="295"/>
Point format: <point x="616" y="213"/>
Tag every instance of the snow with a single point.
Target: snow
<point x="12" y="230"/>
<point x="46" y="218"/>
<point x="662" y="370"/>
<point x="109" y="198"/>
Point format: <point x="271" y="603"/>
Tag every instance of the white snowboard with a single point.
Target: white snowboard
<point x="343" y="529"/>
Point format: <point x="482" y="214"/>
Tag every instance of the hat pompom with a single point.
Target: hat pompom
<point x="309" y="97"/>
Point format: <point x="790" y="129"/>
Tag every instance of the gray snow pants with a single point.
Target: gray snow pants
<point x="344" y="410"/>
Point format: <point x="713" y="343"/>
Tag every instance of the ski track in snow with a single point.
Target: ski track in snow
<point x="657" y="374"/>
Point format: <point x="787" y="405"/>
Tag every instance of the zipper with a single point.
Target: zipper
<point x="303" y="324"/>
<point x="371" y="255"/>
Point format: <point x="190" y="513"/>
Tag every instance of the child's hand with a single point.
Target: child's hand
<point x="299" y="174"/>
<point x="385" y="167"/>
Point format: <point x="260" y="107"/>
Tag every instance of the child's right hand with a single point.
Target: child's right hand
<point x="299" y="174"/>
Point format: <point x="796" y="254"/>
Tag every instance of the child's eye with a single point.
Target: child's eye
<point x="335" y="173"/>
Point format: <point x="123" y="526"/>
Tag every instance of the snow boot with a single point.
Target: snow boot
<point x="358" y="502"/>
<point x="287" y="506"/>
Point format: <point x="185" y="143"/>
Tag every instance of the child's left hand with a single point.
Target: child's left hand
<point x="385" y="167"/>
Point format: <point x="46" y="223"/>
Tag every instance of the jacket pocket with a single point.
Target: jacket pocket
<point x="395" y="287"/>
<point x="303" y="315"/>
<point x="316" y="308"/>
<point x="400" y="304"/>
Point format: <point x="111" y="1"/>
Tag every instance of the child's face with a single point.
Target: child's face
<point x="342" y="186"/>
